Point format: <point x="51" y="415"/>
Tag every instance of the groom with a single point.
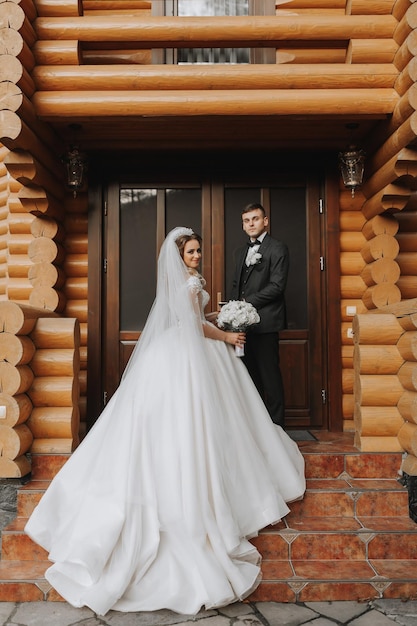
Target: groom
<point x="261" y="270"/>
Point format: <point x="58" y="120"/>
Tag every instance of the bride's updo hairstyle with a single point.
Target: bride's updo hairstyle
<point x="183" y="239"/>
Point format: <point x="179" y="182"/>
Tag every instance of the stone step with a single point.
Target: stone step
<point x="348" y="497"/>
<point x="329" y="497"/>
<point x="320" y="580"/>
<point x="46" y="466"/>
<point x="350" y="538"/>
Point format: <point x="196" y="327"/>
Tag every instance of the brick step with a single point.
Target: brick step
<point x="350" y="537"/>
<point x="23" y="581"/>
<point x="348" y="497"/>
<point x="306" y="580"/>
<point x="16" y="545"/>
<point x="328" y="497"/>
<point x="321" y="580"/>
<point x="339" y="539"/>
<point x="46" y="466"/>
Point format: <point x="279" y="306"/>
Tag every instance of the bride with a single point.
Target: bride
<point x="156" y="507"/>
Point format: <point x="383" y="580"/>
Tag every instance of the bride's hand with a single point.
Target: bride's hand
<point x="236" y="339"/>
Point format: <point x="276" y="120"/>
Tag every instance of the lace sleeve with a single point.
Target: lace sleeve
<point x="194" y="285"/>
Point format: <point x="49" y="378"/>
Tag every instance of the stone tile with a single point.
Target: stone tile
<point x="363" y="465"/>
<point x="388" y="523"/>
<point x="247" y="620"/>
<point x="14" y="571"/>
<point x="396" y="607"/>
<point x="20" y="592"/>
<point x="393" y="546"/>
<point x="395" y="570"/>
<point x="46" y="466"/>
<point x="314" y="592"/>
<point x="328" y="546"/>
<point x="342" y="611"/>
<point x="378" y="484"/>
<point x="276" y="570"/>
<point x="322" y="465"/>
<point x="16" y="546"/>
<point x="237" y="609"/>
<point x="327" y="484"/>
<point x="271" y="546"/>
<point x="405" y="590"/>
<point x="50" y="613"/>
<point x="388" y="503"/>
<point x="164" y="617"/>
<point x="403" y="620"/>
<point x="322" y="523"/>
<point x="320" y="621"/>
<point x="372" y="618"/>
<point x="6" y="609"/>
<point x="333" y="570"/>
<point x="327" y="504"/>
<point x="277" y="613"/>
<point x="273" y="592"/>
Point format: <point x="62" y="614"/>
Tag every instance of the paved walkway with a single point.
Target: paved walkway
<point x="374" y="613"/>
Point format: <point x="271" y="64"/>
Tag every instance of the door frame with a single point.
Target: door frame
<point x="100" y="320"/>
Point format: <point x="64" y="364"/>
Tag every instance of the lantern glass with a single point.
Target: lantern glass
<point x="352" y="165"/>
<point x="76" y="166"/>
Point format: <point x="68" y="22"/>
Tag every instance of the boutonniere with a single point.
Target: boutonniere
<point x="255" y="259"/>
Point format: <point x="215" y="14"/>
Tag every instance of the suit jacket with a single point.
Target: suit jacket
<point x="263" y="284"/>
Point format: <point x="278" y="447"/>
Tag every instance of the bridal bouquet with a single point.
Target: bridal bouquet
<point x="236" y="316"/>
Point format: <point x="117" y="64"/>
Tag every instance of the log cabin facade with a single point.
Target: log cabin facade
<point x="190" y="142"/>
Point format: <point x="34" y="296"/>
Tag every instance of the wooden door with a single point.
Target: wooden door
<point x="137" y="216"/>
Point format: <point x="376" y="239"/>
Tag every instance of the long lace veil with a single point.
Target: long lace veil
<point x="174" y="305"/>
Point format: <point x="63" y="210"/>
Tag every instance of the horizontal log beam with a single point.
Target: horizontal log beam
<point x="371" y="51"/>
<point x="128" y="77"/>
<point x="191" y="32"/>
<point x="369" y="7"/>
<point x="124" y="5"/>
<point x="374" y="102"/>
<point x="64" y="8"/>
<point x="115" y="56"/>
<point x="57" y="52"/>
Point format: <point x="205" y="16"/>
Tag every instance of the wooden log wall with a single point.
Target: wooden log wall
<point x="73" y="58"/>
<point x="4" y="229"/>
<point x="352" y="288"/>
<point x="99" y="62"/>
<point x="407" y="256"/>
<point x="385" y="382"/>
<point x="39" y="366"/>
<point x="39" y="251"/>
<point x="76" y="285"/>
<point x="380" y="383"/>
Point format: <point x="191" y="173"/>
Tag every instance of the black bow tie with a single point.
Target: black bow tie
<point x="254" y="243"/>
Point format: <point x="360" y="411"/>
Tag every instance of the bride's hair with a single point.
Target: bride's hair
<point x="183" y="239"/>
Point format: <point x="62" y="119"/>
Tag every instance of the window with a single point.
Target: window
<point x="213" y="55"/>
<point x="206" y="8"/>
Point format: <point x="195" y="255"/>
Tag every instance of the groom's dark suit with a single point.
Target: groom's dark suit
<point x="263" y="285"/>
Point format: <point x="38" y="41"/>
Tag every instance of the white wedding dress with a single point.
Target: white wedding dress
<point x="155" y="507"/>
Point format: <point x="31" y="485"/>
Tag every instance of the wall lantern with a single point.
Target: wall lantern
<point x="352" y="164"/>
<point x="76" y="164"/>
